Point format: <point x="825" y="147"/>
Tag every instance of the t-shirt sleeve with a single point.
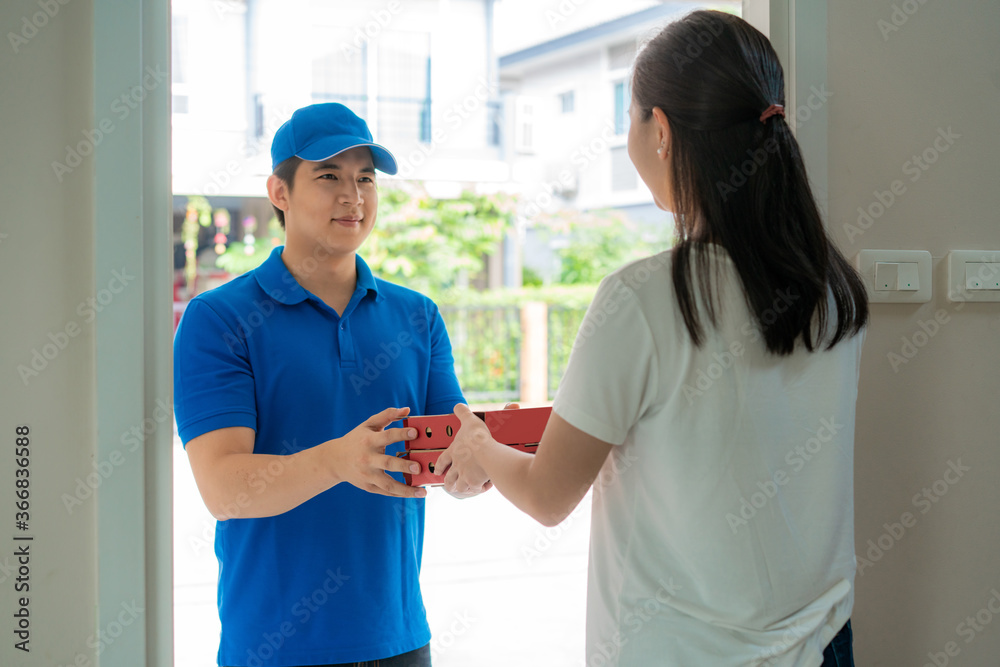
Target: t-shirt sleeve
<point x="443" y="391"/>
<point x="610" y="380"/>
<point x="213" y="380"/>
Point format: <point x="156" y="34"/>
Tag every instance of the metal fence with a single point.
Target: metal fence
<point x="563" y="323"/>
<point x="486" y="343"/>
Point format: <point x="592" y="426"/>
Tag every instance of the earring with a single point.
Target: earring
<point x="659" y="150"/>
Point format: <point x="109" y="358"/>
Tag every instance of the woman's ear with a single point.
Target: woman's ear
<point x="662" y="131"/>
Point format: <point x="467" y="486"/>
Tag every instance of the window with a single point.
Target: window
<point x="567" y="101"/>
<point x="340" y="74"/>
<point x="404" y="87"/>
<point x="621" y="102"/>
<point x="400" y="112"/>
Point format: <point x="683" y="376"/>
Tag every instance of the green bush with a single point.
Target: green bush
<point x="486" y="336"/>
<point x="600" y="241"/>
<point x="433" y="245"/>
<point x="563" y="324"/>
<point x="486" y="345"/>
<point x="530" y="277"/>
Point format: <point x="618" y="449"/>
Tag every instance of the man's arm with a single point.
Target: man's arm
<point x="236" y="483"/>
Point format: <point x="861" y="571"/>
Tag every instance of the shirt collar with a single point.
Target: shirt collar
<point x="366" y="280"/>
<point x="275" y="279"/>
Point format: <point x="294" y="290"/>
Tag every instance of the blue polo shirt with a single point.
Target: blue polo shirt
<point x="337" y="578"/>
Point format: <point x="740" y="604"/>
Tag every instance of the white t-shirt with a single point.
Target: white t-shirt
<point x="723" y="525"/>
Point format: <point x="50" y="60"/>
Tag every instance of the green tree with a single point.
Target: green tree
<point x="601" y="241"/>
<point x="422" y="243"/>
<point x="237" y="260"/>
<point x="430" y="244"/>
<point x="197" y="214"/>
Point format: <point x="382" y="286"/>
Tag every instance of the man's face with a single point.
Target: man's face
<point x="333" y="204"/>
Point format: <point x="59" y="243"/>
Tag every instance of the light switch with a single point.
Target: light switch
<point x="896" y="276"/>
<point x="907" y="279"/>
<point x="974" y="275"/>
<point x="886" y="276"/>
<point x="982" y="275"/>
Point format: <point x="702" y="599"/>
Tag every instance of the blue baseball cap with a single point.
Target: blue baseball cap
<point x="320" y="131"/>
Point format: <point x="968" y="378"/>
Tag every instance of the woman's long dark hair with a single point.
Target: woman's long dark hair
<point x="741" y="183"/>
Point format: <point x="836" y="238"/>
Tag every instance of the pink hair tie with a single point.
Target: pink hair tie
<point x="773" y="110"/>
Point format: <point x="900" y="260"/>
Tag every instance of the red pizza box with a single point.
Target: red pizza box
<point x="427" y="458"/>
<point x="520" y="428"/>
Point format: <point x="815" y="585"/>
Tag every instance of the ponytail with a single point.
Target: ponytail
<point x="739" y="181"/>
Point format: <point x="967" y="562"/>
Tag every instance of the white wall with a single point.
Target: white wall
<point x="891" y="94"/>
<point x="47" y="264"/>
<point x="561" y="141"/>
<point x="76" y="377"/>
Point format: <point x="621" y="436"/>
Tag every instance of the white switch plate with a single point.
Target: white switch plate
<point x="865" y="263"/>
<point x="957" y="286"/>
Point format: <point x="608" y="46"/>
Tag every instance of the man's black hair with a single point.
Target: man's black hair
<point x="286" y="172"/>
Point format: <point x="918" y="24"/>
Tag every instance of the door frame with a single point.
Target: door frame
<point x="133" y="220"/>
<point x="797" y="30"/>
<point x="133" y="235"/>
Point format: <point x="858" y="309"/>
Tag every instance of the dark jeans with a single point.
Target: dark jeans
<point x="421" y="657"/>
<point x="840" y="652"/>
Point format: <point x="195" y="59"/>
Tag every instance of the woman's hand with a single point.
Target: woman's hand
<point x="464" y="476"/>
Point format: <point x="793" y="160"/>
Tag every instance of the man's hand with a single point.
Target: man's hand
<point x="359" y="457"/>
<point x="464" y="477"/>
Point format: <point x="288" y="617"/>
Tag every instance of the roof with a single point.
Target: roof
<point x="625" y="25"/>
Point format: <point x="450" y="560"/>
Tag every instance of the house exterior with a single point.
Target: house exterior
<point x="547" y="122"/>
<point x="570" y="98"/>
<point x="422" y="73"/>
